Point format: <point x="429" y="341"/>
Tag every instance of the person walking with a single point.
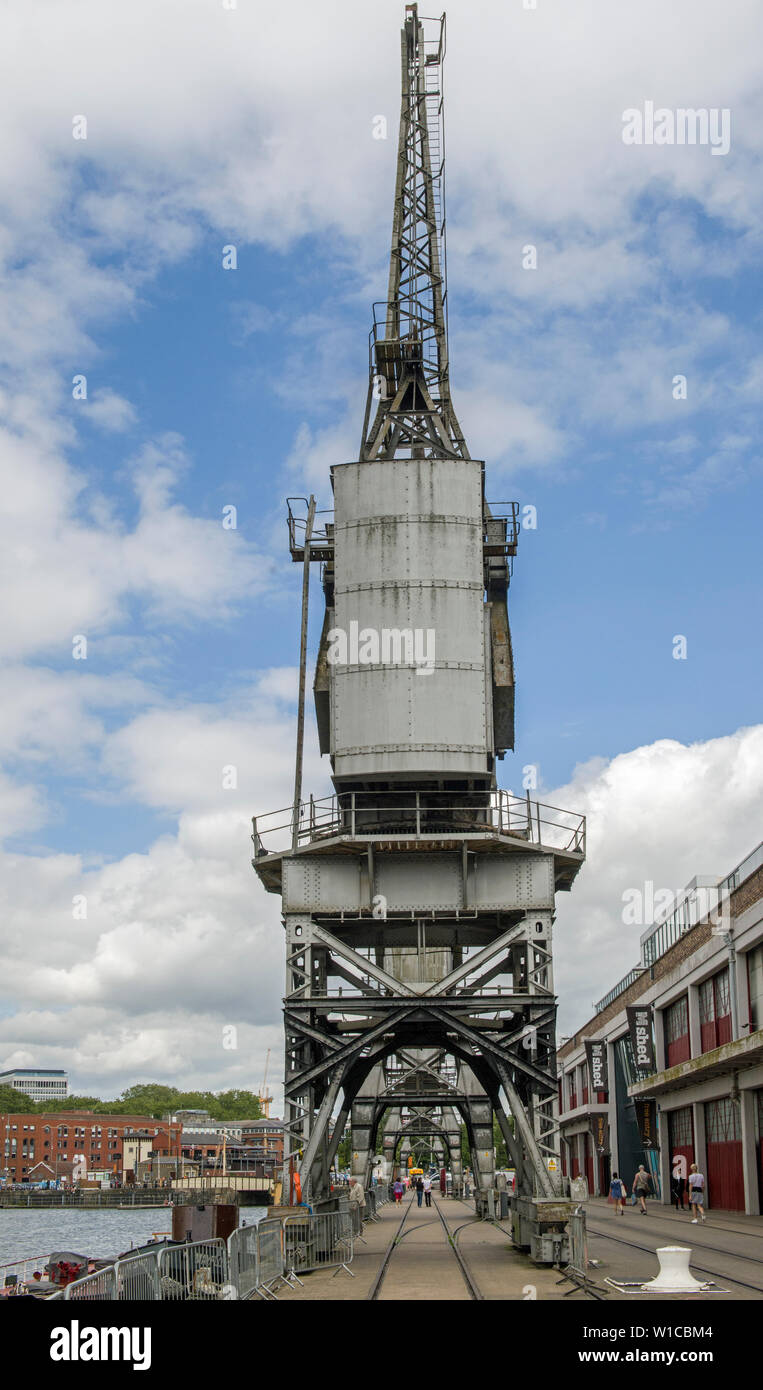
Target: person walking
<point x="618" y="1194"/>
<point x="419" y="1190"/>
<point x="642" y="1184"/>
<point x="677" y="1189"/>
<point x="696" y="1194"/>
<point x="357" y="1198"/>
<point x="398" y="1190"/>
<point x="428" y="1191"/>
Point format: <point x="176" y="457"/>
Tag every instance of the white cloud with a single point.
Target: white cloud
<point x="665" y="813"/>
<point x="255" y="125"/>
<point x="109" y="411"/>
<point x="69" y="574"/>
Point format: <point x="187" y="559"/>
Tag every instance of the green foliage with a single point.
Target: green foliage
<point x="52" y="1107"/>
<point x="14" y="1102"/>
<point x="148" y="1098"/>
<point x="344" y="1151"/>
<point x="502" y="1159"/>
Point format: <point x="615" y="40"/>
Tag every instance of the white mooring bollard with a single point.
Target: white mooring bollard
<point x="674" y="1275"/>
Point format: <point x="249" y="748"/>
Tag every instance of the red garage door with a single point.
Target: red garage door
<point x="759" y="1108"/>
<point x="681" y="1144"/>
<point x="589" y="1162"/>
<point x="725" y="1178"/>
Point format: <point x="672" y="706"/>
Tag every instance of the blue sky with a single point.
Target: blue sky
<point x="209" y="387"/>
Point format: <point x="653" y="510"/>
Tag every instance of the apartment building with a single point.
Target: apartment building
<point x="669" y="1070"/>
<point x="82" y="1138"/>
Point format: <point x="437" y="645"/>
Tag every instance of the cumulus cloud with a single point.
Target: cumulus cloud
<point x="110" y="411"/>
<point x="663" y="813"/>
<point x="71" y="573"/>
<point x="225" y="127"/>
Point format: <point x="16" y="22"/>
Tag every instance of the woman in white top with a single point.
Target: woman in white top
<point x="696" y="1194"/>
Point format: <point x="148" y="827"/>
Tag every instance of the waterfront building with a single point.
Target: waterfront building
<point x="677" y="1051"/>
<point x="89" y="1140"/>
<point x="39" y="1083"/>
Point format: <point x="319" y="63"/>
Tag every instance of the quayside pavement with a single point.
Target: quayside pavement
<point x="727" y="1250"/>
<point x="423" y="1267"/>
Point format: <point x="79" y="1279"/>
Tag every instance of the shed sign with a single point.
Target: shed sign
<point x="640" y="1029"/>
<point x="596" y="1053"/>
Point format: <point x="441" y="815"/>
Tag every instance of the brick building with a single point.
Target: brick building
<point x="254" y="1146"/>
<point x="265" y="1139"/>
<point x="84" y="1138"/>
<point x="680" y="1042"/>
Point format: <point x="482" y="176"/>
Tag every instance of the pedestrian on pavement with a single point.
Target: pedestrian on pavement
<point x="642" y="1184"/>
<point x="677" y="1188"/>
<point x="428" y="1191"/>
<point x="398" y="1191"/>
<point x="697" y="1194"/>
<point x="357" y="1197"/>
<point x="618" y="1194"/>
<point x="419" y="1190"/>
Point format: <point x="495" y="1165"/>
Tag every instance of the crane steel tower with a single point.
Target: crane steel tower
<point x="418" y="900"/>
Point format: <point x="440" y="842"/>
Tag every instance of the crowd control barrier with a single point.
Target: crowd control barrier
<point x="252" y="1263"/>
<point x="578" y="1243"/>
<point x="318" y="1242"/>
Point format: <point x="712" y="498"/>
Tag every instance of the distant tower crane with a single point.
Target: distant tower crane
<point x="264" y="1097"/>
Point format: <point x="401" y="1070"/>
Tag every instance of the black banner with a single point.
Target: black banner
<point x="600" y="1132"/>
<point x="646" y="1119"/>
<point x="596" y="1054"/>
<point x="640" y="1029"/>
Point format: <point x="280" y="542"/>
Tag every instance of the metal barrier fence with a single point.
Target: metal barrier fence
<point x="175" y="1273"/>
<point x="254" y="1261"/>
<point x="137" y="1278"/>
<point x="244" y="1260"/>
<point x="92" y="1287"/>
<point x="578" y="1243"/>
<point x="197" y="1270"/>
<point x="317" y="1242"/>
<point x="270" y="1249"/>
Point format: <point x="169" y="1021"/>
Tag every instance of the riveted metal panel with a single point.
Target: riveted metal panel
<point x="323" y="883"/>
<point x="408" y="558"/>
<point x="514" y="881"/>
<point x="420" y="881"/>
<point x="447" y="617"/>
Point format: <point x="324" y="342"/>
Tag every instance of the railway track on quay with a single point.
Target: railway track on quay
<point x="405" y="1230"/>
<point x="711" y="1270"/>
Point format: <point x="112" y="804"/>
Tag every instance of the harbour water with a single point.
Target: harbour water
<point x="101" y="1234"/>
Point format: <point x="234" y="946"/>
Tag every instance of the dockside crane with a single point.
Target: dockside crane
<point x="418" y="901"/>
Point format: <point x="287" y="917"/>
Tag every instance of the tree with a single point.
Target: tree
<point x="502" y="1159"/>
<point x="13" y="1102"/>
<point x="52" y="1107"/>
<point x="344" y="1152"/>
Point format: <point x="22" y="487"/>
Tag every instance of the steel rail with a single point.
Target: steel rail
<point x="373" y="1292"/>
<point x="471" y="1284"/>
<point x="716" y="1274"/>
<point x="716" y="1249"/>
